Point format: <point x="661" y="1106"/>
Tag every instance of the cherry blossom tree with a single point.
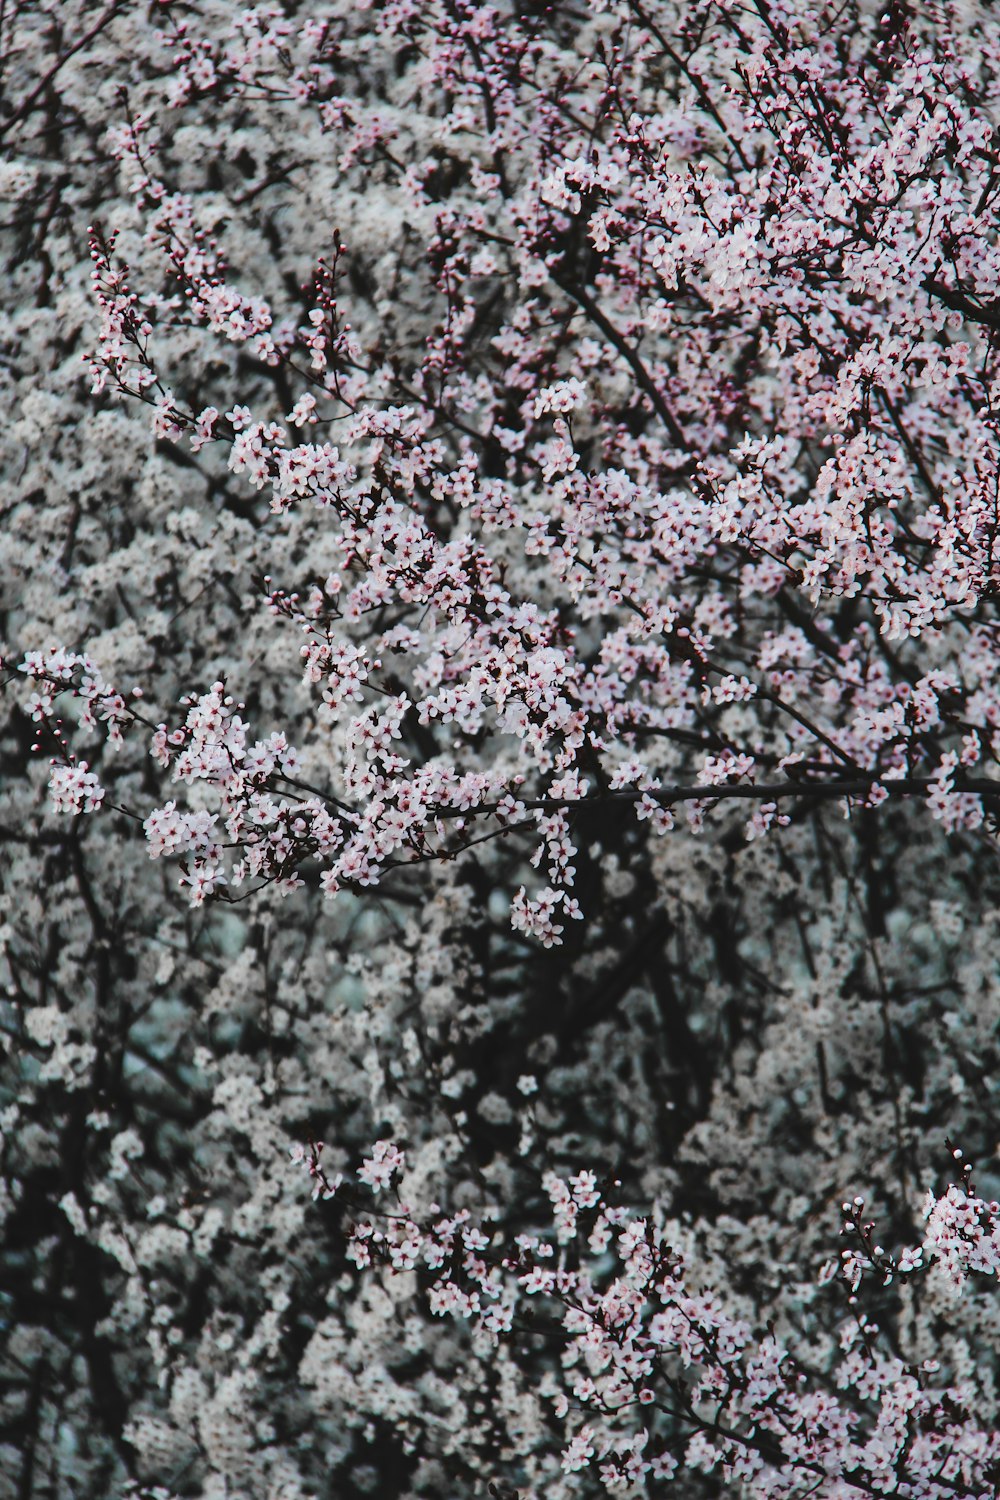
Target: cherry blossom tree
<point x="502" y="707"/>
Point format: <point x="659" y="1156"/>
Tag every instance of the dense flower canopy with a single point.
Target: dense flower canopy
<point x="502" y="711"/>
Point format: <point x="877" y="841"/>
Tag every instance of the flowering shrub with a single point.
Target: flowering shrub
<point x="500" y="661"/>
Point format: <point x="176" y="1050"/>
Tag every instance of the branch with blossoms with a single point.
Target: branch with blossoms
<point x="664" y="1376"/>
<point x="661" y="555"/>
<point x="269" y="825"/>
<point x="647" y="635"/>
<point x="962" y="1239"/>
